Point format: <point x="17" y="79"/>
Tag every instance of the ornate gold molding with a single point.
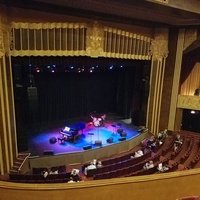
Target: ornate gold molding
<point x="4" y="35"/>
<point x="188" y="102"/>
<point x="94" y="40"/>
<point x="48" y="25"/>
<point x="159" y="46"/>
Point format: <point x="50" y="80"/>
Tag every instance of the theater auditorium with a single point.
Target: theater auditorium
<point x="102" y="94"/>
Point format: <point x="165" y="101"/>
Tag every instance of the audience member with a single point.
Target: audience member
<point x="53" y="172"/>
<point x="75" y="172"/>
<point x="45" y="173"/>
<point x="162" y="168"/>
<point x="165" y="133"/>
<point x="138" y="154"/>
<point x="93" y="165"/>
<point x="151" y="143"/>
<point x="161" y="136"/>
<point x="148" y="165"/>
<point x="177" y="142"/>
<point x="99" y="164"/>
<point x="71" y="180"/>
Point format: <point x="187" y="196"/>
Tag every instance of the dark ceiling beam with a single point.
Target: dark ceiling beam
<point x="192" y="6"/>
<point x="148" y="13"/>
<point x="195" y="45"/>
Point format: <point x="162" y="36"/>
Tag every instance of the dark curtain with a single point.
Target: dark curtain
<point x="52" y="97"/>
<point x="188" y="62"/>
<point x="190" y="120"/>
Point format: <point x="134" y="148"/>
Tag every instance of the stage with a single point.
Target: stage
<point x="43" y="141"/>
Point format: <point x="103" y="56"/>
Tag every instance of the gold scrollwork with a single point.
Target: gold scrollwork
<point x="94" y="40"/>
<point x="188" y="102"/>
<point x="4" y="35"/>
<point x="159" y="45"/>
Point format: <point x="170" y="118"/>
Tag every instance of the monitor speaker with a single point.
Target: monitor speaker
<point x="120" y="130"/>
<point x="123" y="134"/>
<point x="48" y="153"/>
<point x="98" y="143"/>
<point x="53" y="140"/>
<point x="109" y="140"/>
<point x="122" y="139"/>
<point x="87" y="147"/>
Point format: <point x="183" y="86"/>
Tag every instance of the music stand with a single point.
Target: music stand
<point x="114" y="129"/>
<point x="98" y="142"/>
<point x="91" y="134"/>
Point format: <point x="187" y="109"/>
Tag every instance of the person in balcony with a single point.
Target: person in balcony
<point x="177" y="142"/>
<point x="148" y="165"/>
<point x="93" y="165"/>
<point x="138" y="154"/>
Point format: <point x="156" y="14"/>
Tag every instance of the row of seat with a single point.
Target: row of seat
<point x="60" y="169"/>
<point x="38" y="178"/>
<point x="126" y="171"/>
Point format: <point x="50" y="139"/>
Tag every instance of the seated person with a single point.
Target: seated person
<point x="148" y="165"/>
<point x="91" y="166"/>
<point x="177" y="142"/>
<point x="151" y="143"/>
<point x="162" y="135"/>
<point x="176" y="145"/>
<point x="71" y="180"/>
<point x="165" y="133"/>
<point x="75" y="172"/>
<point x="53" y="172"/>
<point x="99" y="164"/>
<point x="138" y="154"/>
<point x="162" y="168"/>
<point x="45" y="173"/>
<point x="75" y="175"/>
<point x="178" y="139"/>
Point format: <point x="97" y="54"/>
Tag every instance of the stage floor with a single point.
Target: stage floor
<point x="39" y="141"/>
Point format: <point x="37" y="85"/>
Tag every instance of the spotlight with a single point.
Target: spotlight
<point x="192" y="112"/>
<point x="111" y="67"/>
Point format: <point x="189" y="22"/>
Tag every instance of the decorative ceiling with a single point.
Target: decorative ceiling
<point x="142" y="12"/>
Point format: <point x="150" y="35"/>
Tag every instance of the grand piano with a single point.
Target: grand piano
<point x="72" y="132"/>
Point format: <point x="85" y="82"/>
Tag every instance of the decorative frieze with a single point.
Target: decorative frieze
<point x="4" y="35"/>
<point x="94" y="40"/>
<point x="188" y="102"/>
<point x="159" y="45"/>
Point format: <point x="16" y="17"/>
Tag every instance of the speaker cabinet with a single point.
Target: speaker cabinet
<point x="87" y="147"/>
<point x="48" y="153"/>
<point x="123" y="134"/>
<point x="122" y="139"/>
<point x="53" y="140"/>
<point x="120" y="130"/>
<point x="109" y="140"/>
<point x="98" y="142"/>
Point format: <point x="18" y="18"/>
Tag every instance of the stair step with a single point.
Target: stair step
<point x="20" y="159"/>
<point x="15" y="167"/>
<point x="17" y="164"/>
<point x="12" y="171"/>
